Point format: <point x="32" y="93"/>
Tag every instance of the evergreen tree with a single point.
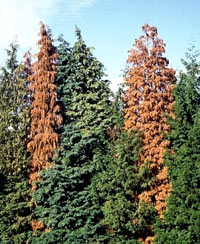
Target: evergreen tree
<point x="15" y="210"/>
<point x="118" y="186"/>
<point x="181" y="223"/>
<point x="148" y="99"/>
<point x="14" y="114"/>
<point x="15" y="206"/>
<point x="65" y="201"/>
<point x="44" y="110"/>
<point x="119" y="183"/>
<point x="64" y="84"/>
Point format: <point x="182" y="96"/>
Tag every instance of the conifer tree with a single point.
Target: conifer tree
<point x="65" y="201"/>
<point x="119" y="182"/>
<point x="44" y="111"/>
<point x="181" y="219"/>
<point x="14" y="116"/>
<point x="148" y="100"/>
<point x="118" y="186"/>
<point x="15" y="207"/>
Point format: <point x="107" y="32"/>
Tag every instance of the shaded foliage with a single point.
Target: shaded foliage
<point x="15" y="205"/>
<point x="181" y="219"/>
<point x="15" y="210"/>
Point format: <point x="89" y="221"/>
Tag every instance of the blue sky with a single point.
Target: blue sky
<point x="110" y="26"/>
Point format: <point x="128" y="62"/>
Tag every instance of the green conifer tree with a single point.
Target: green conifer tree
<point x="65" y="202"/>
<point x="119" y="183"/>
<point x="15" y="207"/>
<point x="181" y="223"/>
<point x="115" y="185"/>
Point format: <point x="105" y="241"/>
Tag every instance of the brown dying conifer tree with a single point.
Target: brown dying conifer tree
<point x="148" y="100"/>
<point x="43" y="140"/>
<point x="44" y="110"/>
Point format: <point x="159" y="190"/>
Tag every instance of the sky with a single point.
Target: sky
<point x="110" y="26"/>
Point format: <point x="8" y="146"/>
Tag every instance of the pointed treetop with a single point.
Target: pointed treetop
<point x="12" y="53"/>
<point x="78" y="33"/>
<point x="44" y="30"/>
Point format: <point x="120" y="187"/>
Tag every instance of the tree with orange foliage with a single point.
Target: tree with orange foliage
<point x="44" y="110"/>
<point x="148" y="100"/>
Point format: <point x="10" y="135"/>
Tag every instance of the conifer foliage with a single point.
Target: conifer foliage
<point x="148" y="99"/>
<point x="77" y="167"/>
<point x="181" y="223"/>
<point x="64" y="198"/>
<point x="14" y="113"/>
<point x="119" y="182"/>
<point x="15" y="207"/>
<point x="44" y="110"/>
<point x="116" y="184"/>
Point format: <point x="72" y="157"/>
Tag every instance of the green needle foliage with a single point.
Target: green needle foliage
<point x="15" y="210"/>
<point x="65" y="201"/>
<point x="15" y="207"/>
<point x="14" y="115"/>
<point x="119" y="183"/>
<point x="115" y="185"/>
<point x="181" y="223"/>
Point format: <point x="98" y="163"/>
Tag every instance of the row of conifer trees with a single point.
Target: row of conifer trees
<point x="79" y="165"/>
